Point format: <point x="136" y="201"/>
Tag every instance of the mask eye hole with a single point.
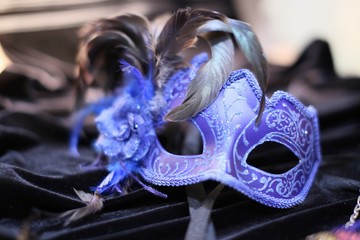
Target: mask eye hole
<point x="272" y="157"/>
<point x="180" y="138"/>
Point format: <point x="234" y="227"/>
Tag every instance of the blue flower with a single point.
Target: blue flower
<point x="126" y="130"/>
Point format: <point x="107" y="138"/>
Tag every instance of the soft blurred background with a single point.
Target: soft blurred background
<point x="284" y="27"/>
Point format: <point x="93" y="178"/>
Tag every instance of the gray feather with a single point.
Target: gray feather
<point x="105" y="41"/>
<point x="94" y="203"/>
<point x="251" y="48"/>
<point x="198" y="99"/>
<point x="205" y="87"/>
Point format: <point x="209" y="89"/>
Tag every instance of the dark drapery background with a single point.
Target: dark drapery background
<point x="37" y="174"/>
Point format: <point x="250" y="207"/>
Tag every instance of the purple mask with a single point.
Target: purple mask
<point x="229" y="134"/>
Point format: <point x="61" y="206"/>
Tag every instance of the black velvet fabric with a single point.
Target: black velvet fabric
<point x="37" y="174"/>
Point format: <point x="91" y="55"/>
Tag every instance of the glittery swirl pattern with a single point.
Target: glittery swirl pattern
<point x="289" y="123"/>
<point x="229" y="135"/>
<point x="216" y="126"/>
<point x="168" y="169"/>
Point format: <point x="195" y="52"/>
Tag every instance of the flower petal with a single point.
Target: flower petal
<point x="131" y="146"/>
<point x="143" y="148"/>
<point x="109" y="146"/>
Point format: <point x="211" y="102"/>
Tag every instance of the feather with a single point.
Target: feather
<point x="205" y="87"/>
<point x="251" y="48"/>
<point x="158" y="23"/>
<point x="79" y="119"/>
<point x="94" y="203"/>
<point x="106" y="41"/>
<point x="178" y="34"/>
<point x="202" y="92"/>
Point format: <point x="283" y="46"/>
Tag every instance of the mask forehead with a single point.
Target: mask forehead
<point x="229" y="134"/>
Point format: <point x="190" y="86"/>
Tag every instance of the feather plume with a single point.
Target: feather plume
<point x="205" y="87"/>
<point x="251" y="48"/>
<point x="127" y="37"/>
<point x="202" y="92"/>
<point x="106" y="41"/>
<point x="178" y="34"/>
<point x="158" y="23"/>
<point x="94" y="203"/>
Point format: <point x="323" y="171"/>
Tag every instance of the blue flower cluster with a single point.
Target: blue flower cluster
<point x="126" y="122"/>
<point x="126" y="130"/>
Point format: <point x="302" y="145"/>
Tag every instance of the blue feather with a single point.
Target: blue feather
<point x="91" y="109"/>
<point x="118" y="175"/>
<point x="135" y="83"/>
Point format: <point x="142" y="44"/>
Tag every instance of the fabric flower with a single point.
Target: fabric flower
<point x="126" y="130"/>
